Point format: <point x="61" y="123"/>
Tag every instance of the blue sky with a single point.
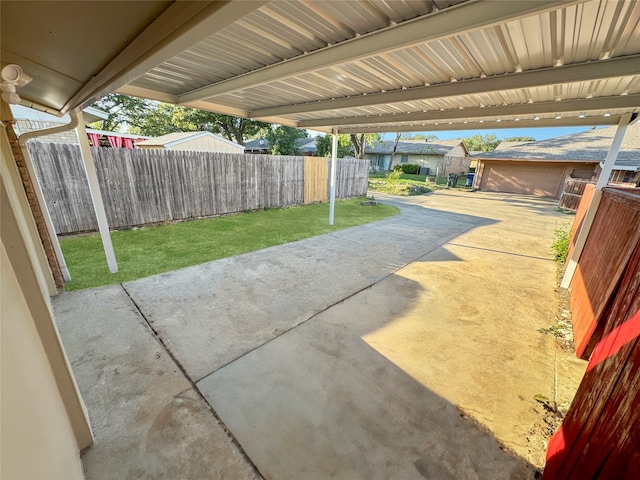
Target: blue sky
<point x="537" y="133"/>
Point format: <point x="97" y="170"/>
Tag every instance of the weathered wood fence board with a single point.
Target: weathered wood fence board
<point x="572" y="192"/>
<point x="352" y="177"/>
<point x="151" y="186"/>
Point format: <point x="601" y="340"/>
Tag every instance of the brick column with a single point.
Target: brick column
<point x="27" y="183"/>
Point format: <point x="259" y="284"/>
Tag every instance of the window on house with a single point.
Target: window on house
<point x="380" y="162"/>
<point x="404" y="159"/>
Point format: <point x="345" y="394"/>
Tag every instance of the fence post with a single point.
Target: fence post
<point x="607" y="167"/>
<point x="332" y="189"/>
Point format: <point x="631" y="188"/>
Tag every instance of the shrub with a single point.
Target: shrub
<point x="410" y="168"/>
<point x="395" y="175"/>
<point x="560" y="245"/>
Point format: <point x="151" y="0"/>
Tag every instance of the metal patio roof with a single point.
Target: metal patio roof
<point x="355" y="65"/>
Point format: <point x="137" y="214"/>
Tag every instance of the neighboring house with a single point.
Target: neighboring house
<point x="192" y="141"/>
<point x="441" y="157"/>
<point x="258" y="145"/>
<point x="29" y="120"/>
<point x="540" y="168"/>
<point x="304" y="146"/>
<point x="307" y="146"/>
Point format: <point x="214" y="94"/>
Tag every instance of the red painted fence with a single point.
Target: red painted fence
<point x="614" y="236"/>
<point x="600" y="436"/>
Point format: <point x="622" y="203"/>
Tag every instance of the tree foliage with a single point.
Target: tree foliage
<point x="483" y="143"/>
<point x="361" y="140"/>
<point x="323" y="145"/>
<point x="283" y="139"/>
<point x="418" y="136"/>
<point x="519" y="139"/>
<point x="154" y="119"/>
<point x="122" y="110"/>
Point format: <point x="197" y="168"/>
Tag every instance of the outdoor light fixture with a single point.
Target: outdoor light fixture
<point x="498" y="120"/>
<point x="558" y="117"/>
<point x="13" y="77"/>
<point x="536" y="118"/>
<point x="581" y="115"/>
<point x="516" y="119"/>
<point x="607" y="114"/>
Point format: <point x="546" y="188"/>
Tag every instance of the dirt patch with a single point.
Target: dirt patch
<point x="562" y="328"/>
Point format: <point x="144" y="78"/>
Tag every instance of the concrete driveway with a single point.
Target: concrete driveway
<point x="407" y="348"/>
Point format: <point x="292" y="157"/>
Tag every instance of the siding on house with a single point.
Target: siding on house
<point x="440" y="156"/>
<point x="192" y="142"/>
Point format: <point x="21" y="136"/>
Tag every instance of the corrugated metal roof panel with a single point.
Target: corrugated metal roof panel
<point x="577" y="32"/>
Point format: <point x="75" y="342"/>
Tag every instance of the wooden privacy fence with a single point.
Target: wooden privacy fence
<point x="612" y="241"/>
<point x="600" y="435"/>
<point x="572" y="192"/>
<point x="150" y="186"/>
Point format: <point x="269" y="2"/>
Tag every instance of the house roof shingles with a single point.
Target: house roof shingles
<point x="416" y="147"/>
<point x="587" y="146"/>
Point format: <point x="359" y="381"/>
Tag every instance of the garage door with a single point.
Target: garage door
<point x="529" y="179"/>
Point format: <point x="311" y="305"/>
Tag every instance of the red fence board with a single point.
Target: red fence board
<point x="587" y="195"/>
<point x="614" y="235"/>
<point x="600" y="437"/>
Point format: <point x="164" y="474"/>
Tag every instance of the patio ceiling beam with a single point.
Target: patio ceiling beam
<point x="487" y="125"/>
<point x="582" y="72"/>
<point x="181" y="25"/>
<point x="465" y="17"/>
<point x="628" y="102"/>
<point x="159" y="96"/>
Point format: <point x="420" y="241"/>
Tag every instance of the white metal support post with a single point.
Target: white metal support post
<point x="332" y="184"/>
<point x="605" y="174"/>
<point x="94" y="190"/>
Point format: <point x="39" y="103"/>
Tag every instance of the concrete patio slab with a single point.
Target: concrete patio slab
<point x="209" y="315"/>
<point x="318" y="402"/>
<point x="148" y="420"/>
<point x="407" y="348"/>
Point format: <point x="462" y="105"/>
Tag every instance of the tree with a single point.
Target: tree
<point x="166" y="118"/>
<point x="323" y="145"/>
<point x="418" y="136"/>
<point x="519" y="139"/>
<point x="145" y="117"/>
<point x="236" y="129"/>
<point x="122" y="110"/>
<point x="361" y="140"/>
<point x="283" y="139"/>
<point x="483" y="143"/>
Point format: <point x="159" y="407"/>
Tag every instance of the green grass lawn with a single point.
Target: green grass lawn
<point x="152" y="250"/>
<point x="408" y="184"/>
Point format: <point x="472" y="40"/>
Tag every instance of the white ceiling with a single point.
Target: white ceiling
<point x="355" y="65"/>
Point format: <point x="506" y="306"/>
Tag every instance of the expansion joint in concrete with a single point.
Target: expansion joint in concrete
<point x="192" y="383"/>
<point x="342" y="300"/>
